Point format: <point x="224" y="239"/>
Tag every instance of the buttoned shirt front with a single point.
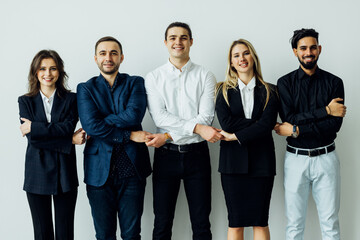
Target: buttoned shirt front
<point x="247" y="96"/>
<point x="180" y="99"/>
<point x="48" y="103"/>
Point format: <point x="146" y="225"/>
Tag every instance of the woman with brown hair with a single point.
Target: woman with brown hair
<point x="247" y="109"/>
<point x="48" y="114"/>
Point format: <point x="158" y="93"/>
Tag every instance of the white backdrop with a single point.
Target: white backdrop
<point x="73" y="27"/>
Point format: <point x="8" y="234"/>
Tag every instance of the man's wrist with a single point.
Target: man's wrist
<point x="328" y="110"/>
<point x="168" y="138"/>
<point x="295" y="131"/>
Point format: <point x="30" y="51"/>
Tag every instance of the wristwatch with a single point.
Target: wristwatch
<point x="294" y="133"/>
<point x="168" y="138"/>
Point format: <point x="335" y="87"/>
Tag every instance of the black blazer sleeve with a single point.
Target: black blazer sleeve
<point x="56" y="135"/>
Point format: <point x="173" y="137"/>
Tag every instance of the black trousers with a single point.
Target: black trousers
<point x="170" y="167"/>
<point x="64" y="206"/>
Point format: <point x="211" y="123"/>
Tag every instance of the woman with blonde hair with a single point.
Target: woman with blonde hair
<point x="247" y="110"/>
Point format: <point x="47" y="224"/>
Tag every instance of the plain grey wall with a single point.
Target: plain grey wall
<point x="73" y="27"/>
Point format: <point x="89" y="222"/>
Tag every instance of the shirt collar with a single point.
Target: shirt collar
<point x="45" y="99"/>
<point x="187" y="66"/>
<point x="116" y="82"/>
<point x="250" y="85"/>
<point x="302" y="74"/>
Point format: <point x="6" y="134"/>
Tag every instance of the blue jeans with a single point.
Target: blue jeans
<point x="123" y="197"/>
<point x="321" y="174"/>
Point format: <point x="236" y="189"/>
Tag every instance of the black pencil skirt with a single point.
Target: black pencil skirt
<point x="247" y="199"/>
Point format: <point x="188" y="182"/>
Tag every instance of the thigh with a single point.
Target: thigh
<point x="41" y="213"/>
<point x="197" y="182"/>
<point x="64" y="205"/>
<point x="168" y="169"/>
<point x="104" y="210"/>
<point x="247" y="199"/>
<point x="326" y="185"/>
<point x="296" y="173"/>
<point x="130" y="207"/>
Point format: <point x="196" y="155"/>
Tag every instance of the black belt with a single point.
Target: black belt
<point x="311" y="152"/>
<point x="184" y="148"/>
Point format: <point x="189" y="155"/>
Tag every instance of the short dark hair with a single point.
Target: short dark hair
<point x="108" y="39"/>
<point x="179" y="24"/>
<point x="304" y="32"/>
<point x="34" y="84"/>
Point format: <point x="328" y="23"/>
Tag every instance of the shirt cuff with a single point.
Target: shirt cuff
<point x="189" y="128"/>
<point x="126" y="137"/>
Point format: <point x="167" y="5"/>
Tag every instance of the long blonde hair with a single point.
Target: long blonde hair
<point x="231" y="79"/>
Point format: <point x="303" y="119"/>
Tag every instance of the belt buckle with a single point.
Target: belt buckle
<point x="315" y="151"/>
<point x="179" y="149"/>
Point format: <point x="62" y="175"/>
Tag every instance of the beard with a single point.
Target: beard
<point x="309" y="65"/>
<point x="114" y="69"/>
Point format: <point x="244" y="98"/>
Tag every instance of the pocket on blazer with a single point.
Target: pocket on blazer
<point x="91" y="150"/>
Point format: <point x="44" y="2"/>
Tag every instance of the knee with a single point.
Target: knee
<point x="236" y="230"/>
<point x="261" y="229"/>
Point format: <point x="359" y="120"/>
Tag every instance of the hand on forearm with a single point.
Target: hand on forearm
<point x="139" y="136"/>
<point x="208" y="133"/>
<point x="25" y="127"/>
<point x="156" y="140"/>
<point x="228" y="136"/>
<point x="79" y="137"/>
<point x="335" y="108"/>
<point x="284" y="129"/>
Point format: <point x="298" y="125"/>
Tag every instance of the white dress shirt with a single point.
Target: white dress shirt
<point x="247" y="96"/>
<point x="178" y="100"/>
<point x="48" y="103"/>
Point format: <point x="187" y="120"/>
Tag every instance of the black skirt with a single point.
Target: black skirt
<point x="247" y="199"/>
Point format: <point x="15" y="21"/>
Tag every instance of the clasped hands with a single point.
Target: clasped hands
<point x="209" y="133"/>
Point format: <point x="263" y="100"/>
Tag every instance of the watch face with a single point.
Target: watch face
<point x="294" y="135"/>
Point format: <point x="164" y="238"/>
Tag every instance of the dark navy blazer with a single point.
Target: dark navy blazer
<point x="255" y="155"/>
<point x="50" y="154"/>
<point x="105" y="119"/>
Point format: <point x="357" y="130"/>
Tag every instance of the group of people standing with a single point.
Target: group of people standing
<point x="182" y="98"/>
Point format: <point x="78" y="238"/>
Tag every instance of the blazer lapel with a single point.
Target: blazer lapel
<point x="234" y="96"/>
<point x="38" y="107"/>
<point x="258" y="100"/>
<point x="57" y="107"/>
<point x="104" y="95"/>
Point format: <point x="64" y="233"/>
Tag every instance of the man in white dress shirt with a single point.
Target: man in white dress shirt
<point x="181" y="102"/>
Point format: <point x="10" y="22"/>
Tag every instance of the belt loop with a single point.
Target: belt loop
<point x="326" y="150"/>
<point x="296" y="151"/>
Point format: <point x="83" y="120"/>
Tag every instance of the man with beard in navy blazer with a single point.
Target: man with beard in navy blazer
<point x="116" y="159"/>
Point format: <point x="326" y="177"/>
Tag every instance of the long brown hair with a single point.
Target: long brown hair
<point x="34" y="84"/>
<point x="231" y="78"/>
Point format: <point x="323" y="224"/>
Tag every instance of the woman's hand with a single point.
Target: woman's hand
<point x="228" y="136"/>
<point x="25" y="127"/>
<point x="79" y="137"/>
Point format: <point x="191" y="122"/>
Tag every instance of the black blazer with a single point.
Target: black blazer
<point x="254" y="153"/>
<point x="50" y="160"/>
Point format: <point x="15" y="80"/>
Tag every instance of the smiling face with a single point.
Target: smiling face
<point x="307" y="52"/>
<point x="242" y="60"/>
<point x="178" y="43"/>
<point x="48" y="73"/>
<point x="108" y="57"/>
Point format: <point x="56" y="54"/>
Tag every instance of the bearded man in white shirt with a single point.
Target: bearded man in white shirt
<point x="181" y="102"/>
